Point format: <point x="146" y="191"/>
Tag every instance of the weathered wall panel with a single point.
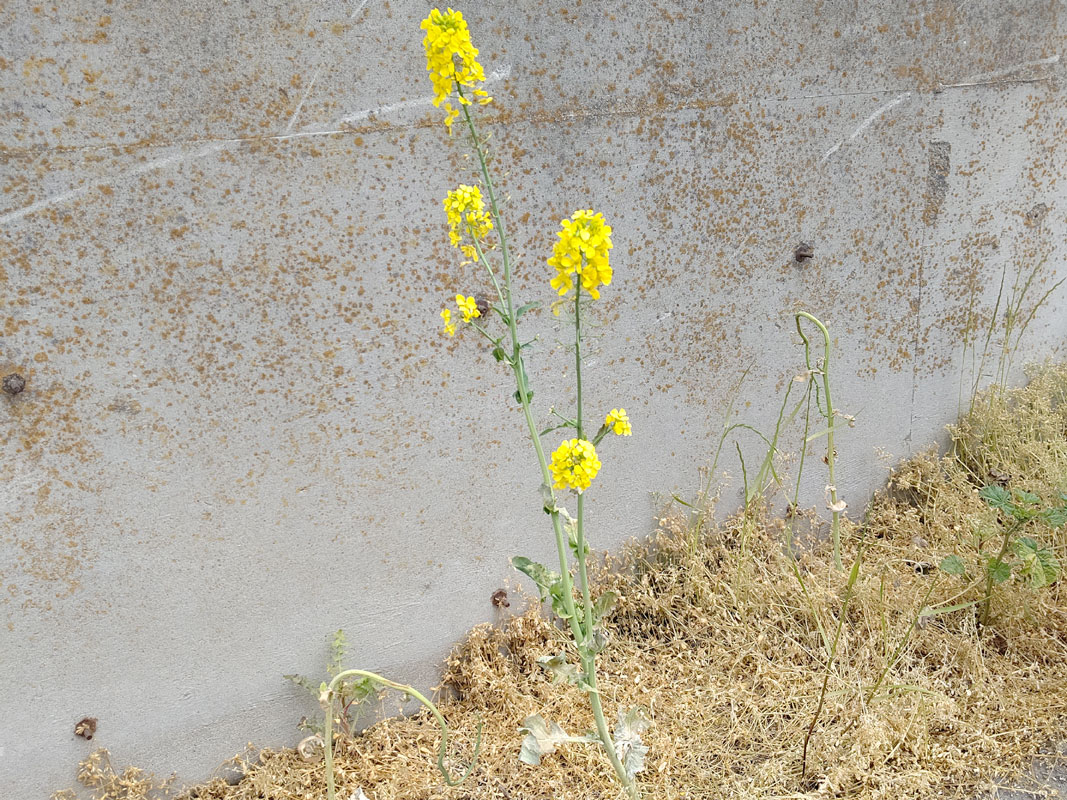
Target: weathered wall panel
<point x="222" y="257"/>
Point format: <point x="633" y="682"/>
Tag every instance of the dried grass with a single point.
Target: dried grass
<point x="723" y="649"/>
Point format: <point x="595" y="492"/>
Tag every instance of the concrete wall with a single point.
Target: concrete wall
<point x="222" y="255"/>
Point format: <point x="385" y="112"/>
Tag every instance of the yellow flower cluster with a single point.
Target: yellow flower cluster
<point x="450" y="326"/>
<point x="467" y="306"/>
<point x="467" y="215"/>
<point x="452" y="61"/>
<point x="574" y="465"/>
<point x="619" y="422"/>
<point x="582" y="250"/>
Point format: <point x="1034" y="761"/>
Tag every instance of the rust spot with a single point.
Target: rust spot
<point x="937" y="180"/>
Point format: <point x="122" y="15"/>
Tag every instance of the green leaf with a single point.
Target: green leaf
<point x="1024" y="547"/>
<point x="545" y="578"/>
<point x="559" y="601"/>
<point x="999" y="570"/>
<point x="1038" y="564"/>
<point x="1056" y="517"/>
<point x="628" y="745"/>
<point x="356" y="690"/>
<point x="597" y="643"/>
<point x="570" y="525"/>
<point x="304" y="683"/>
<point x="499" y="354"/>
<point x="604" y="604"/>
<point x="338" y="646"/>
<point x="548" y="499"/>
<point x="518" y="397"/>
<point x="952" y="565"/>
<point x="526" y="307"/>
<point x="1027" y="497"/>
<point x="561" y="671"/>
<point x="997" y="496"/>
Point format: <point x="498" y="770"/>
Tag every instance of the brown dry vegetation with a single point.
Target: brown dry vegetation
<point x="723" y="649"/>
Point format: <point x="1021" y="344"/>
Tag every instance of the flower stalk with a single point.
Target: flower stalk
<point x="580" y="259"/>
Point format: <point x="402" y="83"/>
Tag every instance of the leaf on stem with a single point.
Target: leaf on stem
<point x="952" y="565"/>
<point x="526" y="307"/>
<point x="548" y="499"/>
<point x="1038" y="563"/>
<point x="542" y="739"/>
<point x="1056" y="517"/>
<point x="1027" y="497"/>
<point x="997" y="496"/>
<point x="603" y="605"/>
<point x="596" y="643"/>
<point x="338" y="646"/>
<point x="837" y="507"/>
<point x="561" y="671"/>
<point x="549" y="583"/>
<point x="998" y="570"/>
<point x="570" y="525"/>
<point x="628" y="745"/>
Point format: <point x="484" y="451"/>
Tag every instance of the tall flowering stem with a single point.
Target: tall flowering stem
<point x="580" y="260"/>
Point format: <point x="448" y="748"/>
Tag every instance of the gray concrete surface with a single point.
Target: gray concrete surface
<point x="221" y="261"/>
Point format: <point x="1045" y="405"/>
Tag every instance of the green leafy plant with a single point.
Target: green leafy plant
<point x="328" y="699"/>
<point x="1017" y="558"/>
<point x="579" y="263"/>
<point x="350" y="696"/>
<point x="343" y="699"/>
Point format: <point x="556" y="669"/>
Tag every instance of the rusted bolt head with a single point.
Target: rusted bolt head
<point x="14" y="384"/>
<point x="804" y="252"/>
<point x="86" y="728"/>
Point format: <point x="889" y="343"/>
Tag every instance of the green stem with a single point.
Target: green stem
<point x="705" y="490"/>
<point x="494" y="208"/>
<point x="835" y="527"/>
<point x="327" y="740"/>
<point x="988" y="599"/>
<point x="485" y="263"/>
<point x="589" y="669"/>
<point x="589" y="658"/>
<point x="520" y="372"/>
